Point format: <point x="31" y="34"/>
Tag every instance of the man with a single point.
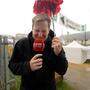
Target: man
<point x="37" y="69"/>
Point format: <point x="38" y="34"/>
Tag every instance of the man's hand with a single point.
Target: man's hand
<point x="36" y="62"/>
<point x="56" y="45"/>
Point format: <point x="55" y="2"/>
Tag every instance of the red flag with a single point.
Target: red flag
<point x="48" y="7"/>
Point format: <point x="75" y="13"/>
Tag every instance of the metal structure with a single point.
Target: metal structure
<point x="84" y="36"/>
<point x="7" y="79"/>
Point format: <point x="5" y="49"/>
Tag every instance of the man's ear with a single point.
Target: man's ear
<point x="32" y="34"/>
<point x="48" y="31"/>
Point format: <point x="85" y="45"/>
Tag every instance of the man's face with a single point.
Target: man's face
<point x="40" y="29"/>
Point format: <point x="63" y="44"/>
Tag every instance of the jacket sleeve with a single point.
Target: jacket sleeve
<point x="60" y="63"/>
<point x="17" y="64"/>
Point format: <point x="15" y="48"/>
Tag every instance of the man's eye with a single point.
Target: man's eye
<point x="36" y="30"/>
<point x="44" y="31"/>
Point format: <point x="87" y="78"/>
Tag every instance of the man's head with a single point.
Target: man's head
<point x="40" y="26"/>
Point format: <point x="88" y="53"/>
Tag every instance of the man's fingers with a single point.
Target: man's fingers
<point x="38" y="64"/>
<point x="37" y="56"/>
<point x="56" y="39"/>
<point x="38" y="67"/>
<point x="55" y="44"/>
<point x="37" y="60"/>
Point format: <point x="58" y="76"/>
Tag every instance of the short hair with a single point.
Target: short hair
<point x="41" y="17"/>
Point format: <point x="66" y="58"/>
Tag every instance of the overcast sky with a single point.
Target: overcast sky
<point x="16" y="15"/>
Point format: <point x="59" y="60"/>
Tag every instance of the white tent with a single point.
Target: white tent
<point x="75" y="53"/>
<point x="88" y="52"/>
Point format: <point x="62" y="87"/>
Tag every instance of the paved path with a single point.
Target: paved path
<point x="78" y="76"/>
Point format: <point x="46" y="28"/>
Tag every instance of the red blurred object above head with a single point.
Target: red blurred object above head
<point x="49" y="7"/>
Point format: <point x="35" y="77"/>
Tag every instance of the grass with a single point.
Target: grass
<point x="17" y="82"/>
<point x="62" y="85"/>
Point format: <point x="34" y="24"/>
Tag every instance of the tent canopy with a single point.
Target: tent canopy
<point x="75" y="52"/>
<point x="74" y="44"/>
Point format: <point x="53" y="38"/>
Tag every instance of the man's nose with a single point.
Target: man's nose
<point x="40" y="34"/>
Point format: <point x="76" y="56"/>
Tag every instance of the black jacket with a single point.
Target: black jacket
<point x="44" y="78"/>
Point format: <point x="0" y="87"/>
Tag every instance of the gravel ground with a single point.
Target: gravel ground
<point x="78" y="76"/>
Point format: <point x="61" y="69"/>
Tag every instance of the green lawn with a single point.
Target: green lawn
<point x="62" y="85"/>
<point x="17" y="83"/>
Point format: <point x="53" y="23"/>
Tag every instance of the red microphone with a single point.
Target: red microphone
<point x="39" y="43"/>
